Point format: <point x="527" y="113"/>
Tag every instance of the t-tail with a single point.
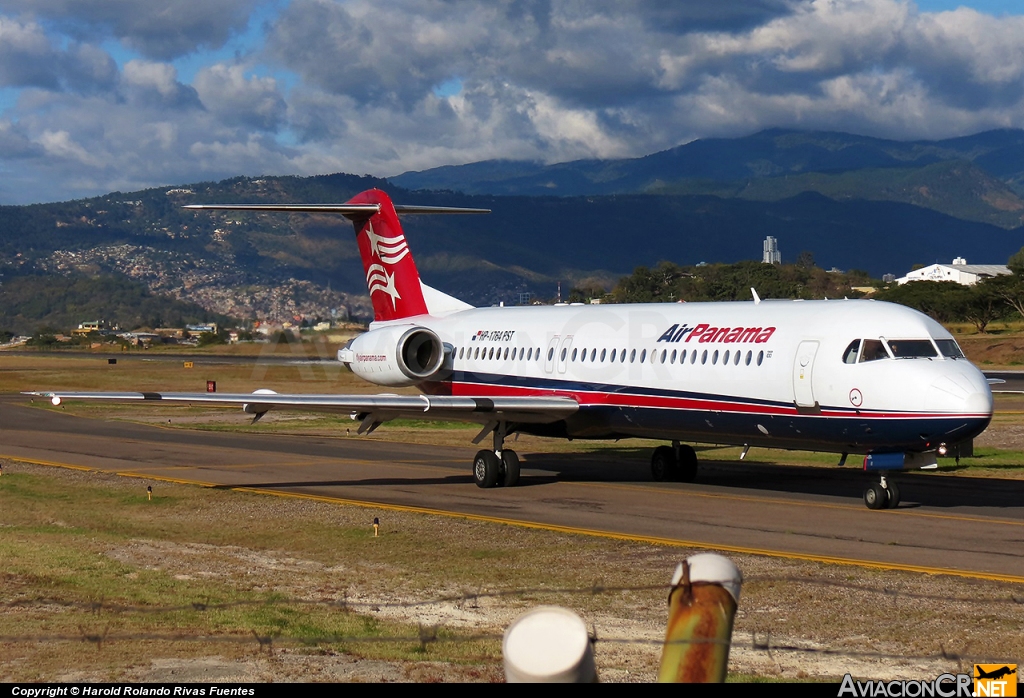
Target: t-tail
<point x="391" y="275"/>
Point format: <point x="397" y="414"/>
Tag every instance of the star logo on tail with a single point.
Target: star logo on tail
<point x="378" y="279"/>
<point x="387" y="250"/>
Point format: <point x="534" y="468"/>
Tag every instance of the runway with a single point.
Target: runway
<point x="972" y="527"/>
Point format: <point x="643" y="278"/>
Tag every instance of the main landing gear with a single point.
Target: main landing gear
<point x="882" y="495"/>
<point x="675" y="463"/>
<point x="498" y="467"/>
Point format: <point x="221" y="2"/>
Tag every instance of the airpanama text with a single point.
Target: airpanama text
<point x="704" y="333"/>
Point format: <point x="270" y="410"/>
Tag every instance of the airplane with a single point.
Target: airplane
<point x="994" y="674"/>
<point x="842" y="376"/>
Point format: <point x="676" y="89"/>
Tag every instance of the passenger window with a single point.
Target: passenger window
<point x="693" y="357"/>
<point x="850" y="355"/>
<point x="760" y="357"/>
<point x="872" y="350"/>
<point x="704" y="357"/>
<point x="551" y="353"/>
<point x="725" y="359"/>
<point x="673" y="357"/>
<point x="476" y="354"/>
<point x="490" y="354"/>
<point x="506" y="353"/>
<point x="574" y="354"/>
<point x="749" y="354"/>
<point x="736" y="361"/>
<point x="613" y="355"/>
<point x="714" y="358"/>
<point x="622" y="356"/>
<point x="593" y="355"/>
<point x="643" y="356"/>
<point x="682" y="356"/>
<point x="632" y="356"/>
<point x="564" y="352"/>
<point x="663" y="355"/>
<point x="604" y="353"/>
<point x="462" y="352"/>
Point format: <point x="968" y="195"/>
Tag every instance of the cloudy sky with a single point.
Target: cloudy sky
<point x="103" y="95"/>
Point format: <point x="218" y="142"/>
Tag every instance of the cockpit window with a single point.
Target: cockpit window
<point x="872" y="350"/>
<point x="850" y="355"/>
<point x="949" y="348"/>
<point x="912" y="348"/>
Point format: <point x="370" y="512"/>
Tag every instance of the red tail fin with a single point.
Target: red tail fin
<point x="391" y="275"/>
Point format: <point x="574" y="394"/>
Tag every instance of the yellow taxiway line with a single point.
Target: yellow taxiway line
<point x="572" y="530"/>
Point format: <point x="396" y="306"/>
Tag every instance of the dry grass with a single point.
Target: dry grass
<point x="77" y="537"/>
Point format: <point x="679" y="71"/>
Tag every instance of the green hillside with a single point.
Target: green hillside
<point x="28" y="303"/>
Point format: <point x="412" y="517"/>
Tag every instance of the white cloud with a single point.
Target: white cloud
<point x="240" y="100"/>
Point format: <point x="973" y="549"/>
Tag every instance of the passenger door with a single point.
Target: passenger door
<point x="803" y="369"/>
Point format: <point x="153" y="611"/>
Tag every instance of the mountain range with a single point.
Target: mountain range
<point x="979" y="177"/>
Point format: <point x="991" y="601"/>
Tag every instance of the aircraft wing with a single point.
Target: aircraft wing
<point x="370" y="408"/>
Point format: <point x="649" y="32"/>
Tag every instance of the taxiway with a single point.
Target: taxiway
<point x="966" y="526"/>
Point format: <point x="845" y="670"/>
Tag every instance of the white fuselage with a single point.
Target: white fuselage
<point x="773" y="373"/>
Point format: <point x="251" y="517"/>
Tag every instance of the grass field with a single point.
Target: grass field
<point x="99" y="583"/>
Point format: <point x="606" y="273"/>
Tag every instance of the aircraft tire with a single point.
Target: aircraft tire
<point x="663" y="464"/>
<point x="875" y="496"/>
<point x="893" y="499"/>
<point x="510" y="461"/>
<point x="485" y="469"/>
<point x="686" y="468"/>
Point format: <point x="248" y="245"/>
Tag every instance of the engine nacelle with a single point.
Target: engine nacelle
<point x="397" y="356"/>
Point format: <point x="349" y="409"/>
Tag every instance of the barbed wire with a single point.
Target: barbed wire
<point x="345" y="603"/>
<point x="437" y="634"/>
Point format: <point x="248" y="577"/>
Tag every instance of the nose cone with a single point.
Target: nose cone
<point x="963" y="390"/>
<point x="979" y="401"/>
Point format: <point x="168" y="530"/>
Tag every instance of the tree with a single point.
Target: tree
<point x="1009" y="288"/>
<point x="1016" y="262"/>
<point x="981" y="305"/>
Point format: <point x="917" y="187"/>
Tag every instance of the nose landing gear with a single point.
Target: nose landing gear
<point x="882" y="495"/>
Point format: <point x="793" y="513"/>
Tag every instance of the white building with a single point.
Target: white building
<point x="959" y="271"/>
<point x="771" y="255"/>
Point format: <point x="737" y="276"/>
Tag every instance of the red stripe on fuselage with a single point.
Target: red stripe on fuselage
<point x="595" y="398"/>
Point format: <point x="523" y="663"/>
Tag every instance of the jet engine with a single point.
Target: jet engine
<point x="397" y="356"/>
